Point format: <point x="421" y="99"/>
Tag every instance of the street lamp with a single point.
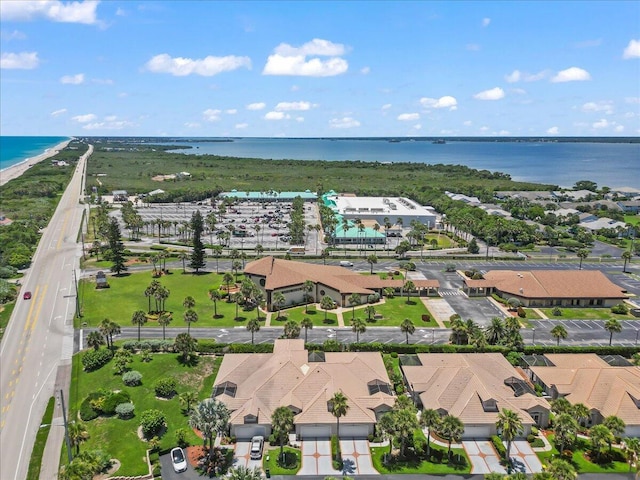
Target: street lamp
<point x="433" y="335"/>
<point x="534" y="336"/>
<point x="637" y="333"/>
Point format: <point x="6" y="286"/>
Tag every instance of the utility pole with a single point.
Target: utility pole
<point x="75" y="281"/>
<point x="66" y="427"/>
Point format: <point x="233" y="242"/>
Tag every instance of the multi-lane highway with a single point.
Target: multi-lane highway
<point x="37" y="346"/>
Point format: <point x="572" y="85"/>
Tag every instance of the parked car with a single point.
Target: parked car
<point x="256" y="447"/>
<point x="178" y="460"/>
<point x="27" y="295"/>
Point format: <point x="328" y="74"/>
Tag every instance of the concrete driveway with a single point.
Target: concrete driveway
<point x="316" y="458"/>
<point x="242" y="456"/>
<point x="166" y="469"/>
<point x="483" y="457"/>
<point x="524" y="458"/>
<point x="356" y="458"/>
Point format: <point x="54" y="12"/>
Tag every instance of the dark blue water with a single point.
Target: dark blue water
<point x="607" y="164"/>
<point x="17" y="149"/>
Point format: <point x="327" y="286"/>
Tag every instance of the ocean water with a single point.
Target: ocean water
<point x="17" y="149"/>
<point x="557" y="163"/>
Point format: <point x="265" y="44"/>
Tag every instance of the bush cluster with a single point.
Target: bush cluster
<point x="112" y="400"/>
<point x="498" y="445"/>
<point x="620" y="309"/>
<point x="102" y="402"/>
<point x="125" y="410"/>
<point x="152" y="345"/>
<point x="557" y="312"/>
<point x="95" y="359"/>
<point x="132" y="378"/>
<point x="165" y="387"/>
<point x="152" y="421"/>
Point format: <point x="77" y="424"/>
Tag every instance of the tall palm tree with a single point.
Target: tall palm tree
<point x="358" y="326"/>
<point x="326" y="304"/>
<point x="372" y="260"/>
<point x="387" y="428"/>
<point x="139" y="318"/>
<point x="406" y="423"/>
<point x="561" y="470"/>
<point x="291" y="329"/>
<point x="510" y="426"/>
<point x="183" y="256"/>
<point x="164" y="320"/>
<point x="559" y="332"/>
<point x="77" y="434"/>
<point x="278" y="300"/>
<point x="370" y="310"/>
<point x="429" y="419"/>
<point x="494" y="331"/>
<point x="354" y="299"/>
<point x="185" y="344"/>
<point x="237" y="298"/>
<point x="600" y="436"/>
<point x="190" y="316"/>
<point x="236" y="266"/>
<point x="626" y="256"/>
<point x="227" y="279"/>
<point x="582" y="254"/>
<point x="95" y="340"/>
<point x="253" y="326"/>
<point x="615" y="424"/>
<point x="211" y="417"/>
<point x="631" y="448"/>
<point x="338" y="406"/>
<point x="187" y="400"/>
<point x="214" y="295"/>
<point x="281" y="425"/>
<point x="217" y="253"/>
<point x="566" y="429"/>
<point x="245" y="473"/>
<point x="407" y="327"/>
<point x="189" y="302"/>
<point x="580" y="412"/>
<point x="612" y="326"/>
<point x="409" y="287"/>
<point x="307" y="324"/>
<point x="451" y="429"/>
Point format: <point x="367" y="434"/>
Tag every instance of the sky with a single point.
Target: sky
<point x="319" y="69"/>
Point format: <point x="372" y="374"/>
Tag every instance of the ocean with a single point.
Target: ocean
<point x="17" y="149"/>
<point x="557" y="163"/>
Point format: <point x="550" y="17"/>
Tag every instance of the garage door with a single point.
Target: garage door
<point x="477" y="431"/>
<point x="315" y="431"/>
<point x="245" y="432"/>
<point x="354" y="431"/>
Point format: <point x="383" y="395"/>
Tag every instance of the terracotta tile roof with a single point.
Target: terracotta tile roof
<point x="281" y="273"/>
<point x="460" y="383"/>
<point x="554" y="283"/>
<point x="586" y="378"/>
<point x="285" y="378"/>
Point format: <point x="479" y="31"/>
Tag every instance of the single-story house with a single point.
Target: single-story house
<point x="120" y="196"/>
<point x="602" y="222"/>
<point x="253" y="385"/>
<point x="475" y="387"/>
<point x="549" y="288"/>
<point x="586" y="378"/>
<point x="630" y="206"/>
<point x="288" y="277"/>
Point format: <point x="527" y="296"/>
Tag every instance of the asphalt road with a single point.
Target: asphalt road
<point x="39" y="337"/>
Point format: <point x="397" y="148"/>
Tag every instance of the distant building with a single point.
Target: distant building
<point x="269" y="196"/>
<point x="120" y="196"/>
<point x="602" y="222"/>
<point x="631" y="206"/>
<point x="463" y="198"/>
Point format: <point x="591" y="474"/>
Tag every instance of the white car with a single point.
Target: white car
<point x="256" y="447"/>
<point x="178" y="460"/>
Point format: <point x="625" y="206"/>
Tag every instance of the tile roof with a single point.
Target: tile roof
<point x="554" y="283"/>
<point x="459" y="383"/>
<point x="285" y="378"/>
<point x="586" y="378"/>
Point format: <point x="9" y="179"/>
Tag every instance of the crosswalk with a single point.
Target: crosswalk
<point x="450" y="292"/>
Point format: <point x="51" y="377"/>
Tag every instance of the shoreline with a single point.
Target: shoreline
<point x="14" y="171"/>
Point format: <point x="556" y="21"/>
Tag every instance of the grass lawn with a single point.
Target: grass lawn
<point x="632" y="219"/>
<point x="5" y="315"/>
<point x="443" y="241"/>
<point x="582" y="464"/>
<point x="413" y="463"/>
<point x="35" y="463"/>
<point x="119" y="437"/>
<point x="292" y="461"/>
<point x="126" y="295"/>
<point x="395" y="310"/>
<point x="585" y="314"/>
<point x="297" y="314"/>
<point x="531" y="314"/>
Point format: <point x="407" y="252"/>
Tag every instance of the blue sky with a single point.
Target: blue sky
<point x="310" y="69"/>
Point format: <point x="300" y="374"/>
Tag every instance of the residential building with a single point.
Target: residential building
<point x="269" y="196"/>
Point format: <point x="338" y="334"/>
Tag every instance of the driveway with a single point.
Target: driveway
<point x="483" y="457"/>
<point x="166" y="469"/>
<point x="242" y="456"/>
<point x="523" y="457"/>
<point x="356" y="456"/>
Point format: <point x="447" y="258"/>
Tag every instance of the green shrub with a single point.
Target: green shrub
<point x="498" y="298"/>
<point x="620" y="309"/>
<point x="152" y="421"/>
<point x="497" y="444"/>
<point x="132" y="378"/>
<point x="114" y="399"/>
<point x="87" y="412"/>
<point x="534" y="431"/>
<point x="521" y="312"/>
<point x="556" y="312"/>
<point x="95" y="359"/>
<point x="165" y="387"/>
<point x="531" y="438"/>
<point x="394" y="354"/>
<point x="125" y="410"/>
<point x="131" y="345"/>
<point x="181" y="437"/>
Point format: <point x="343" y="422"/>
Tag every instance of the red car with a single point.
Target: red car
<point x="27" y="295"/>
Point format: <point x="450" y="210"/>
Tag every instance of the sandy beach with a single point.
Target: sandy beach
<point x="14" y="171"/>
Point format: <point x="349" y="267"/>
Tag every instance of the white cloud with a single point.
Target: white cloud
<point x="386" y="106"/>
<point x="289" y="60"/>
<point x="572" y="74"/>
<point x="211" y="115"/>
<point x="619" y="128"/>
<point x="504" y="133"/>
<point x="57" y="113"/>
<point x="192" y="125"/>
<point x="73" y="79"/>
<point x="110" y="118"/>
<point x="277" y="116"/>
<point x="287" y="106"/>
<point x="344" y="122"/>
<point x="89" y="117"/>
<point x="102" y="81"/>
<point x="404" y="117"/>
<point x="553" y="131"/>
<point x="120" y="12"/>
<point x="206" y="67"/>
<point x="630" y="115"/>
<point x="300" y="119"/>
<point x="603" y="106"/>
<point x="54" y="10"/>
<point x="519" y="91"/>
<point x="467" y="123"/>
<point x="492" y="94"/>
<point x="513" y="77"/>
<point x="19" y="61"/>
<point x="517" y="76"/>
<point x="417" y="126"/>
<point x="109" y="125"/>
<point x="365" y="70"/>
<point x="632" y="100"/>
<point x="240" y="126"/>
<point x="602" y="123"/>
<point x="443" y="102"/>
<point x="632" y="50"/>
<point x="486" y="21"/>
<point x="13" y="35"/>
<point x="295" y="88"/>
<point x="231" y="111"/>
<point x="256" y="106"/>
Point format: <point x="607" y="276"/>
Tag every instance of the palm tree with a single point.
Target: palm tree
<point x="451" y="429"/>
<point x="227" y="279"/>
<point x="189" y="302"/>
<point x="510" y="424"/>
<point x="77" y="434"/>
<point x="561" y="470"/>
<point x="139" y="318"/>
<point x="163" y="320"/>
<point x="631" y="448"/>
<point x="236" y="266"/>
<point x="407" y="327"/>
<point x="187" y="399"/>
<point x="190" y="316"/>
<point x="237" y="298"/>
<point x="253" y="326"/>
<point x="184" y="344"/>
<point x="566" y="428"/>
<point x="600" y="436"/>
<point x="616" y="425"/>
<point x="372" y="260"/>
<point x="406" y="423"/>
<point x="245" y="473"/>
<point x="109" y="328"/>
<point x="580" y="412"/>
<point x="291" y="329"/>
<point x="326" y="304"/>
<point x="495" y="331"/>
<point x="307" y="288"/>
<point x="210" y="417"/>
<point x="278" y="300"/>
<point x="307" y="324"/>
<point x="387" y="427"/>
<point x="354" y="299"/>
<point x="338" y="407"/>
<point x="214" y="295"/>
<point x="409" y="287"/>
<point x="358" y="326"/>
<point x="558" y="332"/>
<point x="217" y="253"/>
<point x="95" y="340"/>
<point x="281" y="425"/>
<point x="626" y="256"/>
<point x="183" y="256"/>
<point x="429" y="419"/>
<point x="612" y="326"/>
<point x="582" y="254"/>
<point x="370" y="310"/>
